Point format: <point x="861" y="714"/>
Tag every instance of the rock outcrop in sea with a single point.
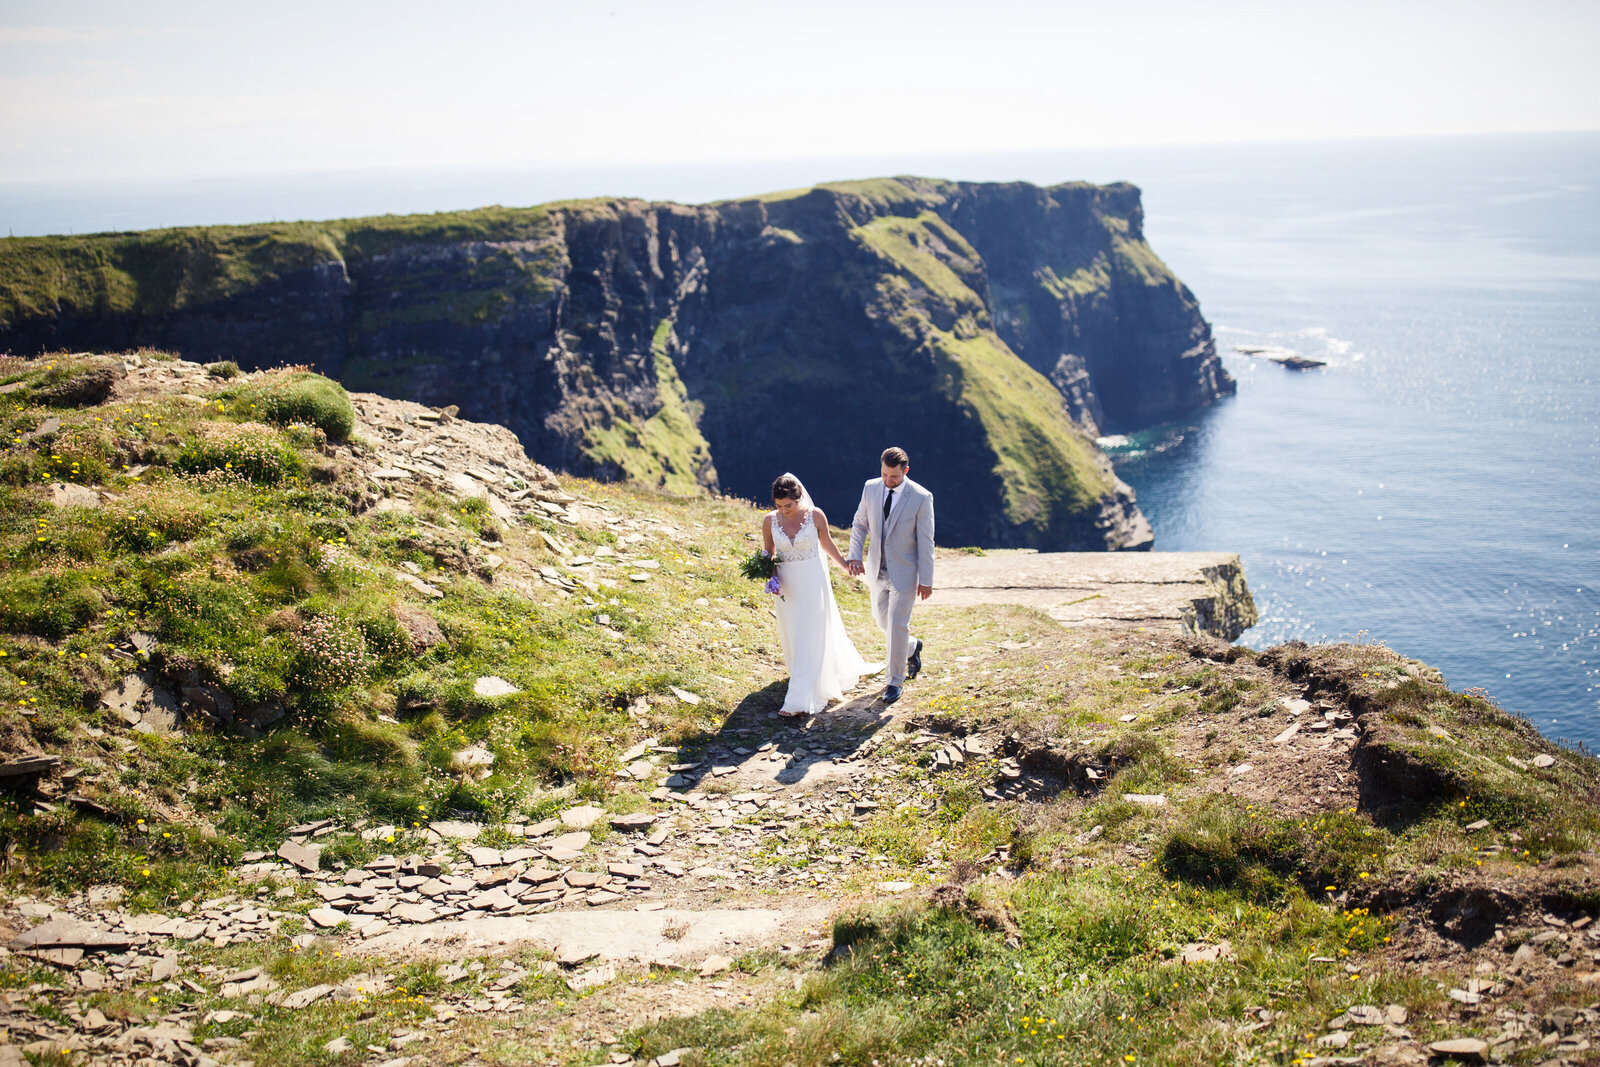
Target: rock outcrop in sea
<point x="991" y="329"/>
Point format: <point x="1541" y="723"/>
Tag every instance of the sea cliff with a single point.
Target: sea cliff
<point x="992" y="329"/>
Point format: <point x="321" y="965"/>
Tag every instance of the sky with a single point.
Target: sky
<point x="145" y="91"/>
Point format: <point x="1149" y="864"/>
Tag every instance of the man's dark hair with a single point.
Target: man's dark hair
<point x="895" y="456"/>
<point x="786" y="487"/>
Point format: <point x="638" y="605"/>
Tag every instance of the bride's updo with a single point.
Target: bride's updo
<point x="786" y="487"/>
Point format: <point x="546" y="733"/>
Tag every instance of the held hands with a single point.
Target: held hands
<point x="854" y="568"/>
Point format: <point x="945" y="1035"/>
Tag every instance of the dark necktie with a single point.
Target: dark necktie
<point x="888" y="502"/>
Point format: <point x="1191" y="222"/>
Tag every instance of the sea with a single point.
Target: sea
<point x="1433" y="484"/>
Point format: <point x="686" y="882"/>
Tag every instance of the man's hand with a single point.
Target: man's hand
<point x="855" y="568"/>
<point x="924" y="592"/>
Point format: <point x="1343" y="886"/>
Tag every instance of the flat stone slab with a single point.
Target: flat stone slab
<point x="27" y="765"/>
<point x="611" y="935"/>
<point x="1466" y="1048"/>
<point x="68" y="933"/>
<point x="1199" y="952"/>
<point x="574" y="842"/>
<point x="472" y="758"/>
<point x="493" y="686"/>
<point x="70" y="495"/>
<point x="413" y="913"/>
<point x="1198" y="592"/>
<point x="307" y="857"/>
<point x="581" y="817"/>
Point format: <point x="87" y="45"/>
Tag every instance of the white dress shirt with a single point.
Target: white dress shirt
<point x="894" y="502"/>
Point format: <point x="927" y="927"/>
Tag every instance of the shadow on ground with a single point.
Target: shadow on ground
<point x="754" y="744"/>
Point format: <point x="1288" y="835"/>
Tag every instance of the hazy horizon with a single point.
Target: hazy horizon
<point x="92" y="206"/>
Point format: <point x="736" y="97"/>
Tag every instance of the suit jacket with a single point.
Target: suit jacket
<point x="907" y="545"/>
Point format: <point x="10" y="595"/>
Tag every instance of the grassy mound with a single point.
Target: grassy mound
<point x="317" y="684"/>
<point x="288" y="397"/>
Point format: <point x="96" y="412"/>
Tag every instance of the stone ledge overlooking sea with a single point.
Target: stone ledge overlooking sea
<point x="1200" y="592"/>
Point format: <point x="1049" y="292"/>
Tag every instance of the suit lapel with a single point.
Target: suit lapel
<point x="875" y="526"/>
<point x="899" y="509"/>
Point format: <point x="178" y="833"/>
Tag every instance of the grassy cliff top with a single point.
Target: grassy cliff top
<point x="1061" y="846"/>
<point x="154" y="271"/>
<point x="167" y="270"/>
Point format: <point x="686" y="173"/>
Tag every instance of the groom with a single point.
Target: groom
<point x="895" y="519"/>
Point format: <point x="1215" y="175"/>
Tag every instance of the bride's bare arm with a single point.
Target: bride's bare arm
<point x="766" y="533"/>
<point x="825" y="537"/>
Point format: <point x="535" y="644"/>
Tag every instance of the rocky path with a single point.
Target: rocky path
<point x="749" y="845"/>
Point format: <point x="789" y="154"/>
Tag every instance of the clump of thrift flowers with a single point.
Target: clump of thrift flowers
<point x="248" y="450"/>
<point x="331" y="655"/>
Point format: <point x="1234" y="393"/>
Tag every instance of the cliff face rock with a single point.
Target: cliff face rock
<point x="990" y="329"/>
<point x="1080" y="296"/>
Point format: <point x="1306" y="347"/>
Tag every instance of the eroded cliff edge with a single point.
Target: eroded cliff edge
<point x="992" y="329"/>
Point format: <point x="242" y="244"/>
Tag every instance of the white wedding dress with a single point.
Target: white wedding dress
<point x="822" y="660"/>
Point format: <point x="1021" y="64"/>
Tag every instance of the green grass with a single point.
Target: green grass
<point x="665" y="450"/>
<point x="1077" y="283"/>
<point x="1045" y="467"/>
<point x="152" y="272"/>
<point x="161" y="271"/>
<point x="1059" y="970"/>
<point x="1045" y="463"/>
<point x="934" y="254"/>
<point x="879" y="193"/>
<point x="287" y="397"/>
<point x="1224" y="841"/>
<point x="260" y="580"/>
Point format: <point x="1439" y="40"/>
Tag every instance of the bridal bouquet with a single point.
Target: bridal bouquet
<point x="761" y="567"/>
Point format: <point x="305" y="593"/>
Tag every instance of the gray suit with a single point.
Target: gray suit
<point x="898" y="560"/>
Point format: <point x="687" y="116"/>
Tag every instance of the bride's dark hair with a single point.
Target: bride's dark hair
<point x="786" y="487"/>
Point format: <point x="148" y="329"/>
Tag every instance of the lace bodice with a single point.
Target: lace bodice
<point x="802" y="546"/>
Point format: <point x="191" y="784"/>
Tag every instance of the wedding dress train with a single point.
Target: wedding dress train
<point x="822" y="660"/>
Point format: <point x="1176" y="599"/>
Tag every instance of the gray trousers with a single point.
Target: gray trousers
<point x="891" y="610"/>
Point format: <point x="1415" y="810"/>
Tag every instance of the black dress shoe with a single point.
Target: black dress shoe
<point x="914" y="661"/>
<point x="891" y="694"/>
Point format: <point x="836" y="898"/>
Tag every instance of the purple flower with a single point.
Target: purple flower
<point x="774" y="586"/>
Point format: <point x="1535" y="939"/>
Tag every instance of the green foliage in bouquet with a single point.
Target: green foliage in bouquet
<point x="758" y="566"/>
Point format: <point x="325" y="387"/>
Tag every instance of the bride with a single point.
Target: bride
<point x="822" y="661"/>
